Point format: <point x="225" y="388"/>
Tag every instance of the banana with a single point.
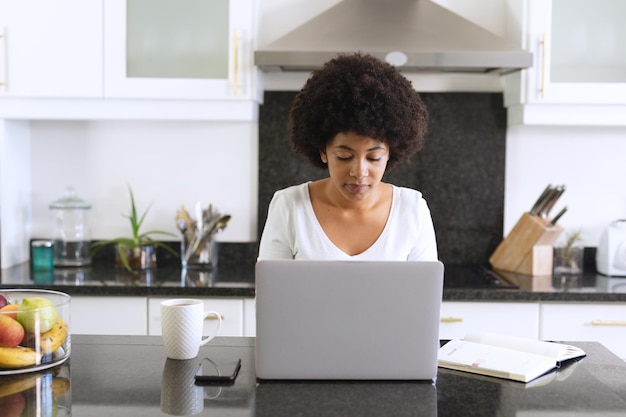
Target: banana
<point x="50" y="340"/>
<point x="17" y="384"/>
<point x="18" y="357"/>
<point x="54" y="338"/>
<point x="60" y="386"/>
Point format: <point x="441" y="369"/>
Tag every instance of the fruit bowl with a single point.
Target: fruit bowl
<point x="34" y="330"/>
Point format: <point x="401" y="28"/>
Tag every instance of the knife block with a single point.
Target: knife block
<point x="528" y="249"/>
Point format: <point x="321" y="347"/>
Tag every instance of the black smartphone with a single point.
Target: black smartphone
<point x="210" y="373"/>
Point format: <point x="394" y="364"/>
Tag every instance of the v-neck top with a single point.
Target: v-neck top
<point x="292" y="230"/>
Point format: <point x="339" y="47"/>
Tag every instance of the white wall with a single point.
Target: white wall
<point x="15" y="191"/>
<point x="168" y="164"/>
<point x="589" y="161"/>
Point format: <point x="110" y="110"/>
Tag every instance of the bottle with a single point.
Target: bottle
<point x="72" y="234"/>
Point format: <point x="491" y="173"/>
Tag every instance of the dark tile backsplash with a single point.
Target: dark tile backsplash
<point x="460" y="171"/>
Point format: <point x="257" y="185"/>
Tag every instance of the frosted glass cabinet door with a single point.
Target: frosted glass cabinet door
<point x="580" y="53"/>
<point x="51" y="48"/>
<point x="178" y="49"/>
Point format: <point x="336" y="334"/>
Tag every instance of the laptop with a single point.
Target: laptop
<point x="347" y="320"/>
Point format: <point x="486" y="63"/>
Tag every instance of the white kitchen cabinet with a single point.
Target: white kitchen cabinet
<point x="599" y="322"/>
<point x="231" y="310"/>
<point x="109" y="315"/>
<point x="200" y="51"/>
<point x="459" y="317"/>
<point x="579" y="71"/>
<point x="51" y="49"/>
<point x="79" y="60"/>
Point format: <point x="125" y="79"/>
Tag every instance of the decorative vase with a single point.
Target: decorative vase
<point x="139" y="257"/>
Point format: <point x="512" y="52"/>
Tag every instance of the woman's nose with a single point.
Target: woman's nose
<point x="359" y="169"/>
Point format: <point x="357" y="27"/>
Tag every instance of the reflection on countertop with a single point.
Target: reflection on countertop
<point x="234" y="276"/>
<point x="225" y="280"/>
<point x="588" y="282"/>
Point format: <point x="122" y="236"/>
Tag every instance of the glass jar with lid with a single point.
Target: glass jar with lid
<point x="71" y="230"/>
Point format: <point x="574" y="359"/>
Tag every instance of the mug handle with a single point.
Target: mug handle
<point x="219" y="326"/>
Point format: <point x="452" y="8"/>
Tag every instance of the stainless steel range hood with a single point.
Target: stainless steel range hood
<point x="429" y="37"/>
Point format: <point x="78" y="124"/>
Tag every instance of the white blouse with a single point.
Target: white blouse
<point x="292" y="230"/>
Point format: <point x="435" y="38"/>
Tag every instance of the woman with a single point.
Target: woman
<point x="357" y="117"/>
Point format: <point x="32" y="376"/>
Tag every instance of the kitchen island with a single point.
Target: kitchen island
<point x="131" y="376"/>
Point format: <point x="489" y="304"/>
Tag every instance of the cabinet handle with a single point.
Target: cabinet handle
<point x="4" y="84"/>
<point x="213" y="317"/>
<point x="544" y="54"/>
<point x="235" y="62"/>
<point x="450" y="319"/>
<point x="608" y="323"/>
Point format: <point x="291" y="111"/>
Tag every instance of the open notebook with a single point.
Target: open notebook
<point x="505" y="356"/>
<point x="347" y="319"/>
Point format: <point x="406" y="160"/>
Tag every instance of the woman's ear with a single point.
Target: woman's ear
<point x="323" y="156"/>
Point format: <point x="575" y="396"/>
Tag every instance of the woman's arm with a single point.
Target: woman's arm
<point x="276" y="240"/>
<point x="425" y="248"/>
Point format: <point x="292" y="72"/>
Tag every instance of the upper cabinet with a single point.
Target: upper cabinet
<point x="579" y="71"/>
<point x="128" y="59"/>
<point x="171" y="50"/>
<point x="51" y="49"/>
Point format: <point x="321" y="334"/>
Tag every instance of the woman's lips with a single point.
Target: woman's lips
<point x="357" y="188"/>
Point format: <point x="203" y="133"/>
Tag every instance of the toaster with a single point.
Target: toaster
<point x="611" y="252"/>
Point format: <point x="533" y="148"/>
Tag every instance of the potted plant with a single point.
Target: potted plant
<point x="569" y="257"/>
<point x="139" y="250"/>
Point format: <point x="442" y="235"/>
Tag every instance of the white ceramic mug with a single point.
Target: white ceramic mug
<point x="182" y="322"/>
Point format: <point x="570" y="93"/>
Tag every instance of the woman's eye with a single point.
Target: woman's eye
<point x="350" y="157"/>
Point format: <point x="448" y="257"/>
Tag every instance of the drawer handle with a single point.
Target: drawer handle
<point x="608" y="323"/>
<point x="451" y="319"/>
<point x="213" y="317"/>
<point x="3" y="37"/>
<point x="544" y="55"/>
<point x="235" y="63"/>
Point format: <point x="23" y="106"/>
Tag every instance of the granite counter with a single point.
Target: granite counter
<point x="130" y="376"/>
<point x="236" y="279"/>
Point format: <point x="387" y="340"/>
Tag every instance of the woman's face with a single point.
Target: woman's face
<point x="356" y="164"/>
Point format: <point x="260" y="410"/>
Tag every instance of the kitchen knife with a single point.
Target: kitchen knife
<point x="535" y="208"/>
<point x="546" y="202"/>
<point x="558" y="216"/>
<point x="559" y="190"/>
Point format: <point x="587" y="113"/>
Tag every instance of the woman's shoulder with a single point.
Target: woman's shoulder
<point x="406" y="194"/>
<point x="292" y="194"/>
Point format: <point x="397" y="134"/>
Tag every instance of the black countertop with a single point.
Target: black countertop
<point x="234" y="277"/>
<point x="131" y="376"/>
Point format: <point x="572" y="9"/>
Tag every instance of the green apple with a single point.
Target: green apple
<point x="37" y="314"/>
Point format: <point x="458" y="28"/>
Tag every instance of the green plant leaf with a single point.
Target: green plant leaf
<point x="137" y="239"/>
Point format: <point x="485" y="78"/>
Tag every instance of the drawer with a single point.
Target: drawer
<point x="460" y="318"/>
<point x="231" y="310"/>
<point x="599" y="322"/>
<point x="109" y="315"/>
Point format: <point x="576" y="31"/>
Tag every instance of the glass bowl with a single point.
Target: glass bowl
<point x="41" y="319"/>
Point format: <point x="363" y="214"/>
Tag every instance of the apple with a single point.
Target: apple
<point x="3" y="301"/>
<point x="10" y="310"/>
<point x="11" y="331"/>
<point x="37" y="314"/>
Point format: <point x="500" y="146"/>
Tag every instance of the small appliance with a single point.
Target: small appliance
<point x="611" y="253"/>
